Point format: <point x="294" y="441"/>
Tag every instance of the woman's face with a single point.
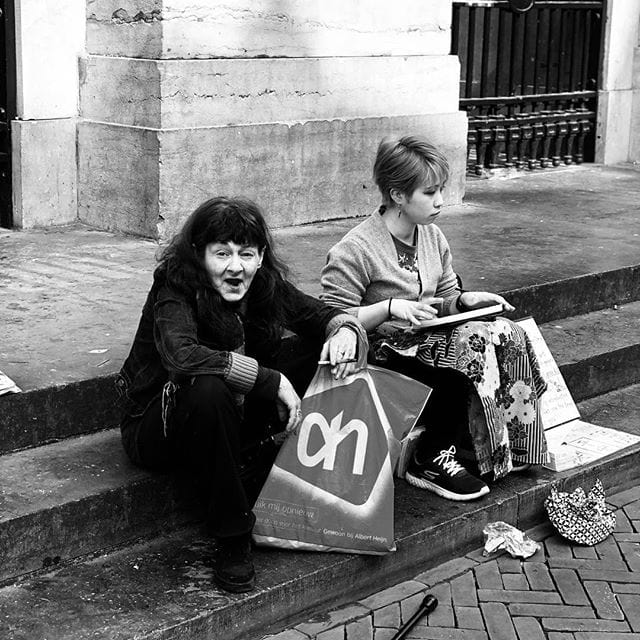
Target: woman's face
<point x="231" y="268"/>
<point x="424" y="204"/>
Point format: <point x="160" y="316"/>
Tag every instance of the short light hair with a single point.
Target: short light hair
<point x="405" y="163"/>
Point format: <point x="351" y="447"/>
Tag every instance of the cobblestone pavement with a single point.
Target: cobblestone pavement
<point x="563" y="592"/>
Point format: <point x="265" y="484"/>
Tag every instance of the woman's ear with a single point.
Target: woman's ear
<point x="261" y="254"/>
<point x="397" y="197"/>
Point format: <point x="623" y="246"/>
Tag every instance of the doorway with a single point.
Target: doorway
<point x="7" y="106"/>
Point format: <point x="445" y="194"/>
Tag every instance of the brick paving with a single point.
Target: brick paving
<point x="563" y="592"/>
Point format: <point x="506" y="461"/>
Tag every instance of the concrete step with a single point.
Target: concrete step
<point x="162" y="588"/>
<point x="54" y="412"/>
<point x="81" y="494"/>
<point x="62" y="500"/>
<point x="51" y="413"/>
<point x="576" y="295"/>
<point x="599" y="351"/>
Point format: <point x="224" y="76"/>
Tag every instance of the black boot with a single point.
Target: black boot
<point x="233" y="569"/>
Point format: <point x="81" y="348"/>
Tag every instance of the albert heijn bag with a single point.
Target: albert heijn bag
<point x="331" y="486"/>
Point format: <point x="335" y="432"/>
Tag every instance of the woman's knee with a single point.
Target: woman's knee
<point x="206" y="394"/>
<point x="206" y="410"/>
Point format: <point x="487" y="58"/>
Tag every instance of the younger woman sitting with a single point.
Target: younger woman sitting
<point x="397" y="266"/>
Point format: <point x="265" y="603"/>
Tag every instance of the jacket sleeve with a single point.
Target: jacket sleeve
<point x="176" y="338"/>
<point x="315" y="319"/>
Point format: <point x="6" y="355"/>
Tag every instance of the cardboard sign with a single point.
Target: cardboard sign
<point x="556" y="405"/>
<point x="576" y="443"/>
<point x="571" y="442"/>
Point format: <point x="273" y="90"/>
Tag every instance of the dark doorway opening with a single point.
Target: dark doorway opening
<point x="7" y="106"/>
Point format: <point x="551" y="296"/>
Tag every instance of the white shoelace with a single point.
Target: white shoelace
<point x="448" y="462"/>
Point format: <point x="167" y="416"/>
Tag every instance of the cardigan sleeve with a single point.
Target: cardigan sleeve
<point x="345" y="276"/>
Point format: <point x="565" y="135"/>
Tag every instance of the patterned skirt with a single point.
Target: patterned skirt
<point x="498" y="359"/>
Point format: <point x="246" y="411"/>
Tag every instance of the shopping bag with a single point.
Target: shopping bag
<point x="331" y="486"/>
<point x="581" y="517"/>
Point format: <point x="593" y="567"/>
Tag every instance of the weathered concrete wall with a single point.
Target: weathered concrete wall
<point x="299" y="173"/>
<point x="119" y="177"/>
<point x="283" y="102"/>
<point x="202" y="93"/>
<point x="615" y="135"/>
<point x="286" y="28"/>
<point x="49" y="39"/>
<point x="44" y="172"/>
<point x="634" y="143"/>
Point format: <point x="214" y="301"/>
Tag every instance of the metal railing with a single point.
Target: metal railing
<point x="528" y="81"/>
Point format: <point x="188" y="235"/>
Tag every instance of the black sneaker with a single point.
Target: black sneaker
<point x="233" y="569"/>
<point x="445" y="476"/>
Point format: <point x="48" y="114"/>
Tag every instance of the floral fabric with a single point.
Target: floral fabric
<point x="497" y="357"/>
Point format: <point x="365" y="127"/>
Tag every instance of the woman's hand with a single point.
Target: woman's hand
<point x="413" y="311"/>
<point x="288" y="403"/>
<point x="479" y="299"/>
<point x="340" y="351"/>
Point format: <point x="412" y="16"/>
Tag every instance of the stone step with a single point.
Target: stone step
<point x="69" y="498"/>
<point x="576" y="295"/>
<point x="599" y="351"/>
<point x="81" y="494"/>
<point x="162" y="588"/>
<point x="53" y="413"/>
<point x="48" y="414"/>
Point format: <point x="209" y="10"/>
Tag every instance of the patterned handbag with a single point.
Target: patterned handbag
<point x="581" y="518"/>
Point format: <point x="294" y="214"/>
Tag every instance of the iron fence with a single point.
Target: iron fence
<point x="528" y="81"/>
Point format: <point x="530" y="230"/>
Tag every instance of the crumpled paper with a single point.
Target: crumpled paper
<point x="500" y="535"/>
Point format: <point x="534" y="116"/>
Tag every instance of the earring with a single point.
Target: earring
<point x="399" y="210"/>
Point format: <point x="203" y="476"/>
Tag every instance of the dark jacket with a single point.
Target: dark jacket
<point x="171" y="345"/>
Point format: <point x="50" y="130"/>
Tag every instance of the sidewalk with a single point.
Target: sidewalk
<point x="563" y="592"/>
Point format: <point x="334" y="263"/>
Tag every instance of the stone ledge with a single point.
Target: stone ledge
<point x="588" y="292"/>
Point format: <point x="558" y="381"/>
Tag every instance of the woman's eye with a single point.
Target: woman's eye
<point x="221" y="254"/>
<point x="247" y="255"/>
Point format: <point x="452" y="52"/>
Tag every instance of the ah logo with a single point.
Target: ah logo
<point x="341" y="444"/>
<point x="333" y="434"/>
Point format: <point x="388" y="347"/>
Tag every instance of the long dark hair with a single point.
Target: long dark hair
<point x="222" y="219"/>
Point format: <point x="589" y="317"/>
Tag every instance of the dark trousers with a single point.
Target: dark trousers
<point x="218" y="442"/>
<point x="447" y="412"/>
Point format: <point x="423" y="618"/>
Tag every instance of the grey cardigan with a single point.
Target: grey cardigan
<point x="362" y="268"/>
